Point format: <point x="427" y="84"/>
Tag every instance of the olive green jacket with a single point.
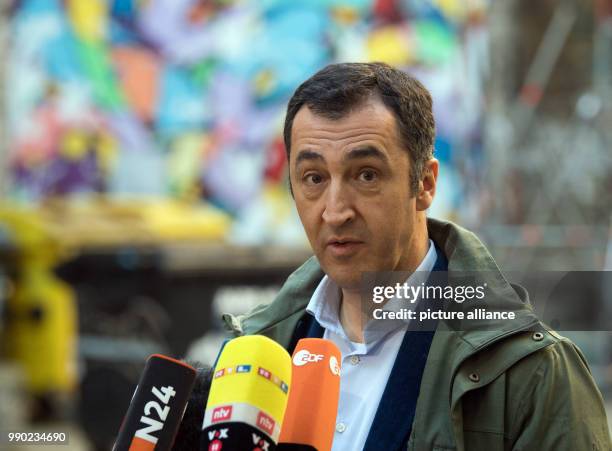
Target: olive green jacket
<point x="515" y="386"/>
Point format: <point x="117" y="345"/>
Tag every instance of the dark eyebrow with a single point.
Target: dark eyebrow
<point x="304" y="155"/>
<point x="366" y="152"/>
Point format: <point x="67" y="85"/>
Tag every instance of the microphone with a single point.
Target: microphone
<point x="313" y="401"/>
<point x="157" y="406"/>
<point x="248" y="396"/>
<point x="188" y="435"/>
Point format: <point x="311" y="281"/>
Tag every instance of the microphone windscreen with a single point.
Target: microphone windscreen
<point x="190" y="430"/>
<point x="157" y="406"/>
<point x="313" y="399"/>
<point x="248" y="395"/>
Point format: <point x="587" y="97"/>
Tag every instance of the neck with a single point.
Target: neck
<point x="417" y="247"/>
<point x="352" y="316"/>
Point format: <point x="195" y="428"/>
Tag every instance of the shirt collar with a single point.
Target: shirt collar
<point x="325" y="302"/>
<point x="324" y="305"/>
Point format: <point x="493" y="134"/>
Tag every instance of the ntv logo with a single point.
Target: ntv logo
<point x="222" y="413"/>
<point x="304" y="356"/>
<point x="265" y="422"/>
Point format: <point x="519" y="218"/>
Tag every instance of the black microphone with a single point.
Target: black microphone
<point x="157" y="407"/>
<point x="190" y="430"/>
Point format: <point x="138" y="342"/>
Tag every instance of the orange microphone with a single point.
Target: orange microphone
<point x="313" y="398"/>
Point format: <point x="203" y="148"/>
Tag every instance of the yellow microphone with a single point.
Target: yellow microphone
<point x="248" y="396"/>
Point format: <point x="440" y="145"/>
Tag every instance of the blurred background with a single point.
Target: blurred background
<point x="143" y="182"/>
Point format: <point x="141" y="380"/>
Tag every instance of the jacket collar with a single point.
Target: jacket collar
<point x="468" y="257"/>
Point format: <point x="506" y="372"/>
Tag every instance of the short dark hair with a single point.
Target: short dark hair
<point x="337" y="89"/>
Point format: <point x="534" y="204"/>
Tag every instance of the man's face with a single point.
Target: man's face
<point x="350" y="179"/>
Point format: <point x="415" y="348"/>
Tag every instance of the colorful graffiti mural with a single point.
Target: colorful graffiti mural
<point x="186" y="98"/>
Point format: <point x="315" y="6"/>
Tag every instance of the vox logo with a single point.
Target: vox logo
<point x="221" y="433"/>
<point x="260" y="443"/>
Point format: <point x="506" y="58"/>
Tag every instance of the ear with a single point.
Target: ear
<point x="427" y="184"/>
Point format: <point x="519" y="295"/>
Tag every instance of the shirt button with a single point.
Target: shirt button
<point x="355" y="359"/>
<point x="341" y="427"/>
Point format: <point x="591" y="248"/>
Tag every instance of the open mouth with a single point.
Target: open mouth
<point x="343" y="247"/>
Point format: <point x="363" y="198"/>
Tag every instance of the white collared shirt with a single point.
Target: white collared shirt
<point x="365" y="366"/>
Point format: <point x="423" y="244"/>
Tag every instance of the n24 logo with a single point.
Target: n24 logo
<point x="163" y="394"/>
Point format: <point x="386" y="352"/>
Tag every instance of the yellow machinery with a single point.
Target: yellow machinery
<point x="42" y="327"/>
<point x="41" y="332"/>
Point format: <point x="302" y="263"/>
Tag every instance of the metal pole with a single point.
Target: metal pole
<point x="498" y="129"/>
<point x="4" y="37"/>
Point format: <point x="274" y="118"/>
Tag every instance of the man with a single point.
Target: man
<point x="359" y="141"/>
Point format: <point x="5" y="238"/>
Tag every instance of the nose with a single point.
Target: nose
<point x="338" y="209"/>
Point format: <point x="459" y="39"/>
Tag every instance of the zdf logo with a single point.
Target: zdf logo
<point x="334" y="366"/>
<point x="304" y="356"/>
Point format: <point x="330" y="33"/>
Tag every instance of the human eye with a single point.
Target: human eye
<point x="312" y="178"/>
<point x="368" y="175"/>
